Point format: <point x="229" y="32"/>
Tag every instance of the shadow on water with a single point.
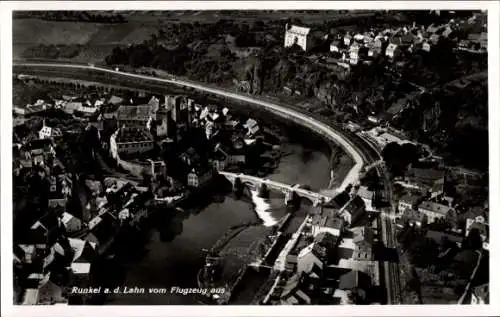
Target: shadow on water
<point x="169" y="222"/>
<point x="133" y="244"/>
<point x="105" y="272"/>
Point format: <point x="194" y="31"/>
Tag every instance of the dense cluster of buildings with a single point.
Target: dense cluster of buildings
<point x="426" y="203"/>
<point x="55" y="251"/>
<point x="329" y="260"/>
<point x="59" y="248"/>
<point x="162" y="123"/>
<point x="353" y="48"/>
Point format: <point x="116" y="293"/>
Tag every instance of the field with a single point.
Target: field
<point x="311" y="16"/>
<point x="25" y="93"/>
<point x="98" y="39"/>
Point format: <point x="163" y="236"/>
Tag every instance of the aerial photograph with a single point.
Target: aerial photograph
<point x="250" y="157"/>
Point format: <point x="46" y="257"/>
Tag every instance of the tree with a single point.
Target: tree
<point x="409" y="152"/>
<point x="473" y="241"/>
<point x="258" y="26"/>
<point x="398" y="157"/>
<point x="392" y="156"/>
<point x="423" y="252"/>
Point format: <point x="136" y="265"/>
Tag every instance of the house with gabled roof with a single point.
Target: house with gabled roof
<point x="45" y="230"/>
<point x="408" y="202"/>
<point x="30" y="297"/>
<point x="329" y="223"/>
<point x="199" y="175"/>
<point x="363" y="241"/>
<point x="134" y="115"/>
<point x="434" y="210"/>
<point x="298" y="35"/>
<point x="355" y="280"/>
<point x="296" y="290"/>
<point x="50" y="293"/>
<point x="367" y="195"/>
<point x="47" y="132"/>
<point x="392" y="51"/>
<point x="353" y="211"/>
<point x="339" y="201"/>
<point x="102" y="230"/>
<point x="83" y="251"/>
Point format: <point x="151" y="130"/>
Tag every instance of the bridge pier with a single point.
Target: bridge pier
<point x="237" y="185"/>
<point x="291" y="198"/>
<point x="319" y="201"/>
<point x="262" y="190"/>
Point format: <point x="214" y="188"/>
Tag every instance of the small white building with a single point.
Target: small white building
<point x="88" y="110"/>
<point x="392" y="50"/>
<point x="199" y="177"/>
<point x="347" y="39"/>
<point x="478" y="223"/>
<point x="30" y="297"/>
<point x="252" y="126"/>
<point x="307" y="259"/>
<point x="297" y="35"/>
<point x="80" y="268"/>
<point x="426" y="46"/>
<point x="354" y="53"/>
<point x="70" y="222"/>
<point x="359" y="37"/>
<point x="48" y="132"/>
<point x="367" y="196"/>
<point x="335" y="46"/>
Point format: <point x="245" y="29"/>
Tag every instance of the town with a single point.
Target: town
<point x="403" y="220"/>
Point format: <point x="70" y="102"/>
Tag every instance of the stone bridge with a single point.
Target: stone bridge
<point x="289" y="190"/>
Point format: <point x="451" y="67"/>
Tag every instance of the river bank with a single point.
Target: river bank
<point x="174" y="250"/>
<point x="340" y="160"/>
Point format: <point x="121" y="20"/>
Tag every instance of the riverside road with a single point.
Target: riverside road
<point x="361" y="152"/>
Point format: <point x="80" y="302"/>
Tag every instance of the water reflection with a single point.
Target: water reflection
<point x="262" y="208"/>
<point x="173" y="252"/>
<point x="168" y="251"/>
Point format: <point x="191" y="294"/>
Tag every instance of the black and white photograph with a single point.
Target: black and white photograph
<point x="260" y="157"/>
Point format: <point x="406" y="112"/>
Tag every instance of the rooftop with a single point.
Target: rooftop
<point x="339" y="201"/>
<point x="302" y="242"/>
<point x="299" y="30"/>
<point x="30" y="296"/>
<point x="435" y="207"/>
<point x="132" y="112"/>
<point x="39" y="144"/>
<point x="410" y="199"/>
<point x="365" y="193"/>
<point x="80" y="268"/>
<point x="66" y="217"/>
<point x="363" y="234"/>
<point x="354" y="204"/>
<point x="83" y="250"/>
<point x="133" y="135"/>
<point x="326" y="239"/>
<point x="354" y="279"/>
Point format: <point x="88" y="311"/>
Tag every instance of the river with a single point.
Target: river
<point x="174" y="256"/>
